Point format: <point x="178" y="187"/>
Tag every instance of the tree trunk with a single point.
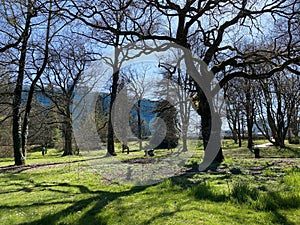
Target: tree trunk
<point x="280" y="138"/>
<point x="250" y="134"/>
<point x="16" y="132"/>
<point x="68" y="132"/>
<point x="206" y="124"/>
<point x="206" y="131"/>
<point x="24" y="134"/>
<point x="110" y="129"/>
<point x="17" y="120"/>
<point x="139" y="124"/>
<point x="184" y="138"/>
<point x="20" y="159"/>
<point x="110" y="138"/>
<point x="32" y="87"/>
<point x="234" y="131"/>
<point x="239" y="132"/>
<point x="68" y="141"/>
<point x="68" y="150"/>
<point x="250" y="120"/>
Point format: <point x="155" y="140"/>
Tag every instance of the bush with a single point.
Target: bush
<point x="294" y="140"/>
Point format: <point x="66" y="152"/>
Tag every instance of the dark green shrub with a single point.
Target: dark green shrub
<point x="294" y="140"/>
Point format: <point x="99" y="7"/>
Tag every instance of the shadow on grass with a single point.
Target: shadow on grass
<point x="274" y="202"/>
<point x="91" y="206"/>
<point x="87" y="208"/>
<point x="204" y="191"/>
<point x="295" y="151"/>
<point x="18" y="169"/>
<point x="200" y="190"/>
<point x="269" y="202"/>
<point x="93" y="202"/>
<point x="242" y="194"/>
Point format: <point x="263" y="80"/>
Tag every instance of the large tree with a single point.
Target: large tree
<point x="28" y="34"/>
<point x="68" y="59"/>
<point x="28" y="28"/>
<point x="114" y="16"/>
<point x="213" y="30"/>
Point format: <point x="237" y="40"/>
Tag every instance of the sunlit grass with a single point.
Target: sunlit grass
<point x="72" y="192"/>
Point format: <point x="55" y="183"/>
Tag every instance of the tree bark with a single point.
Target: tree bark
<point x="249" y="115"/>
<point x="206" y="123"/>
<point x="110" y="129"/>
<point x="20" y="158"/>
<point x="139" y="124"/>
<point x="17" y="120"/>
<point x="250" y="133"/>
<point x="16" y="130"/>
<point x="184" y="138"/>
<point x="239" y="131"/>
<point x="24" y="134"/>
<point x="32" y="87"/>
<point x="68" y="150"/>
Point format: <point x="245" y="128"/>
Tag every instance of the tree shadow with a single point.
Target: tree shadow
<point x="294" y="151"/>
<point x="274" y="202"/>
<point x="200" y="190"/>
<point x="17" y="169"/>
<point x="95" y="204"/>
<point x="92" y="205"/>
<point x="271" y="202"/>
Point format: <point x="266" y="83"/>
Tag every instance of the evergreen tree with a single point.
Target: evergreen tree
<point x="168" y="114"/>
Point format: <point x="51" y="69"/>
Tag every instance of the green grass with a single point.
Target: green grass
<point x="264" y="191"/>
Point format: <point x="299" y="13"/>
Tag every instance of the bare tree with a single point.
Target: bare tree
<point x="240" y="110"/>
<point x="107" y="28"/>
<point x="213" y="30"/>
<point x="17" y="19"/>
<point x="276" y="103"/>
<point x="29" y="27"/>
<point x="26" y="49"/>
<point x="140" y="85"/>
<point x="178" y="85"/>
<point x="294" y="130"/>
<point x="68" y="59"/>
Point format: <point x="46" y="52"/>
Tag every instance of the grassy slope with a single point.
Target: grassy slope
<point x="244" y="191"/>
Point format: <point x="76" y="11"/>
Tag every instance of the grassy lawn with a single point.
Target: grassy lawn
<point x="67" y="190"/>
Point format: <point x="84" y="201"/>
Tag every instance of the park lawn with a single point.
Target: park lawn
<point x="243" y="191"/>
